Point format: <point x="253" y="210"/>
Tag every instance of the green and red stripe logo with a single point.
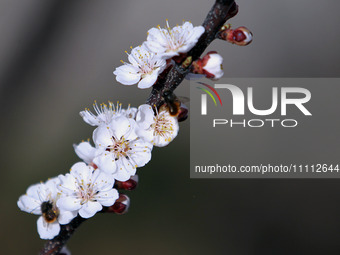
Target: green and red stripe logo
<point x="209" y="93"/>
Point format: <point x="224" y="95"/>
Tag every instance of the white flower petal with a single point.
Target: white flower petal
<point x="103" y="181"/>
<point x="145" y="116"/>
<point x="67" y="184"/>
<point x="69" y="203"/>
<point x="127" y="74"/>
<point x="107" y="198"/>
<point x="29" y="204"/>
<point x="122" y="175"/>
<point x="148" y="80"/>
<point x="146" y="134"/>
<point x="102" y="136"/>
<point x="47" y="230"/>
<point x="156" y="38"/>
<point x="161" y="141"/>
<point x="81" y="172"/>
<point x="141" y="159"/>
<point x="106" y="162"/>
<point x="85" y="151"/>
<point x="90" y="118"/>
<point x="122" y="126"/>
<point x="89" y="209"/>
<point x="65" y="217"/>
<point x="51" y="184"/>
<point x="34" y="190"/>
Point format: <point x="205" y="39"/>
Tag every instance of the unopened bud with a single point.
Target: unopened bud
<point x="240" y="36"/>
<point x="210" y="65"/>
<point x="130" y="184"/>
<point x="121" y="205"/>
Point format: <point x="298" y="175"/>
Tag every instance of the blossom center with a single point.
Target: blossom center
<point x="120" y="148"/>
<point x="146" y="62"/>
<point x="162" y="126"/>
<point x="86" y="193"/>
<point x="174" y="38"/>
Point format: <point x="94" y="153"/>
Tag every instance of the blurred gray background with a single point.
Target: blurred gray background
<point x="56" y="57"/>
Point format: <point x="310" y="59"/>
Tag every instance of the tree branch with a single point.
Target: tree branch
<point x="221" y="11"/>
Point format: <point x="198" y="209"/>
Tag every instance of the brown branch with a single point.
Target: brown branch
<point x="53" y="247"/>
<point x="221" y="11"/>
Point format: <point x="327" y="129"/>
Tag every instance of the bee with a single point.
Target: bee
<point x="172" y="102"/>
<point x="175" y="105"/>
<point x="49" y="214"/>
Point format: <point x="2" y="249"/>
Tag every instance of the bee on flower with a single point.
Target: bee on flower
<point x="41" y="199"/>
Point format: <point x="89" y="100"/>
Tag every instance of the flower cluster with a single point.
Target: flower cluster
<point x="123" y="141"/>
<point x="124" y="138"/>
<point x="150" y="59"/>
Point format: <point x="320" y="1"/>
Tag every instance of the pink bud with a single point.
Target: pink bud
<point x="130" y="184"/>
<point x="121" y="205"/>
<point x="210" y="65"/>
<point x="240" y="36"/>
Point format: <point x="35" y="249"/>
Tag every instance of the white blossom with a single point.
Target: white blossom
<point x="40" y="199"/>
<point x="105" y="112"/>
<point x="171" y="42"/>
<point x="144" y="68"/>
<point x="159" y="129"/>
<point x="118" y="150"/>
<point x="86" y="190"/>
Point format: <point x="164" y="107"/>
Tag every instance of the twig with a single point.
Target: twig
<point x="221" y="11"/>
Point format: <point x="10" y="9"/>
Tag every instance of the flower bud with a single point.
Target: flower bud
<point x="240" y="36"/>
<point x="130" y="184"/>
<point x="210" y="65"/>
<point x="121" y="205"/>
